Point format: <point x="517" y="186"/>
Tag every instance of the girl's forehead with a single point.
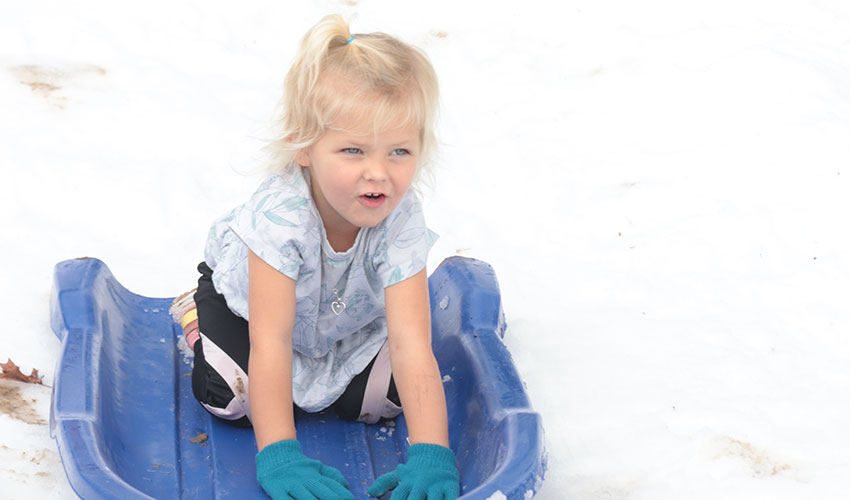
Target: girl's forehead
<point x="366" y="132"/>
<point x="367" y="112"/>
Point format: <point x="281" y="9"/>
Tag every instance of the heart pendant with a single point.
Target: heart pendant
<point x="337" y="307"/>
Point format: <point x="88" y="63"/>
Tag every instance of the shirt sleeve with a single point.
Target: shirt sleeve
<point x="275" y="225"/>
<point x="404" y="243"/>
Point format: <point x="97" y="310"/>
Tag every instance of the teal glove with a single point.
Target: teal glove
<point x="285" y="473"/>
<point x="430" y="473"/>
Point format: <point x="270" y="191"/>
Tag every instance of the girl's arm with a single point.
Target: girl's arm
<point x="271" y="309"/>
<point x="281" y="466"/>
<point x="415" y="370"/>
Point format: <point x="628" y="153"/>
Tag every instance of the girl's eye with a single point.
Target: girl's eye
<point x="400" y="152"/>
<point x="353" y="151"/>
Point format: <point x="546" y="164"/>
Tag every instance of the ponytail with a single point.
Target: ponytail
<point x="328" y="34"/>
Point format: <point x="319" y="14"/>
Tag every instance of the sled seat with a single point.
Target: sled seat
<point x="127" y="426"/>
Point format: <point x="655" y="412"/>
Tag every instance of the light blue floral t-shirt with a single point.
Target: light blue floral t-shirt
<point x="281" y="225"/>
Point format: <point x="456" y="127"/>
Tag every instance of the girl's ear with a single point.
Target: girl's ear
<point x="303" y="158"/>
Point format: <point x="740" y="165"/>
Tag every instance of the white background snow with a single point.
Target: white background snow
<point x="663" y="189"/>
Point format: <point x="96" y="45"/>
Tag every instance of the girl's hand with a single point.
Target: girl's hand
<point x="430" y="473"/>
<point x="285" y="473"/>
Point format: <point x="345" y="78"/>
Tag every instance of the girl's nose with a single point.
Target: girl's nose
<point x="376" y="170"/>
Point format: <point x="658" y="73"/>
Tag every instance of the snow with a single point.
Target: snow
<point x="661" y="187"/>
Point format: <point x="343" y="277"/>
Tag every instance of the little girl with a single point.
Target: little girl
<point x="314" y="292"/>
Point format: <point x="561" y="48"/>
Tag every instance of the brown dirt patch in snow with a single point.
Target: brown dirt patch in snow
<point x="48" y="81"/>
<point x="13" y="403"/>
<point x="760" y="461"/>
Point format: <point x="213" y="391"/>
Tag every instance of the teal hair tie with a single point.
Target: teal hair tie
<point x="350" y="39"/>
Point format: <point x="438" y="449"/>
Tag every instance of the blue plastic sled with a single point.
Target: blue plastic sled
<point x="128" y="427"/>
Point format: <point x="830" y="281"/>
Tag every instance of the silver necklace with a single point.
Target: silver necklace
<point x="337" y="306"/>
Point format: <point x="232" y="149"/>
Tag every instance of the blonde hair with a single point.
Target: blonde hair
<point x="370" y="77"/>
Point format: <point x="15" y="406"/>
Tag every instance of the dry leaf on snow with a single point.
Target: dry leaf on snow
<point x="12" y="372"/>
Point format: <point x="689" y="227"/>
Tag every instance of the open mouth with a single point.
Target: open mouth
<point x="373" y="200"/>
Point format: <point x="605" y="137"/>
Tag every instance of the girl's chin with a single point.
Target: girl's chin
<point x="367" y="223"/>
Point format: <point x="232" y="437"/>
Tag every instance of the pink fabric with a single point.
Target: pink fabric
<point x="190" y="331"/>
<point x="192" y="336"/>
<point x="235" y="378"/>
<point x="375" y="403"/>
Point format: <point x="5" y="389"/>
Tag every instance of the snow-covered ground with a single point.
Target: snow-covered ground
<point x="663" y="188"/>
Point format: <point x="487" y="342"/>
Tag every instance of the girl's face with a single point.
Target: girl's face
<point x="359" y="177"/>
